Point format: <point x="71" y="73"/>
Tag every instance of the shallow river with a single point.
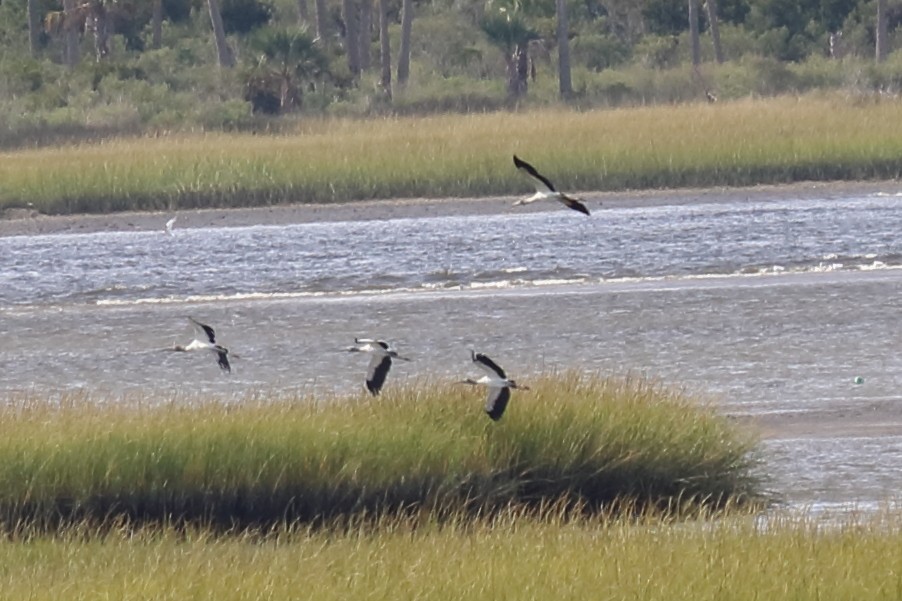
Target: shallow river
<point x="770" y="307"/>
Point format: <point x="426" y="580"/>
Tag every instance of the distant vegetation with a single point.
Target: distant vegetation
<point x="72" y="70"/>
<point x="581" y="443"/>
<point x="737" y="143"/>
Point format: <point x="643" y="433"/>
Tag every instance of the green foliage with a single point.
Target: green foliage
<point x="448" y="46"/>
<point x="453" y="52"/>
<point x="179" y="11"/>
<point x="507" y="30"/>
<point x="243" y="16"/>
<point x="665" y="17"/>
<point x="289" y="59"/>
<point x="599" y="52"/>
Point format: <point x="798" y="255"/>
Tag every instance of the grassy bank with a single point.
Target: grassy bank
<point x="577" y="441"/>
<point x="506" y="558"/>
<point x="739" y="143"/>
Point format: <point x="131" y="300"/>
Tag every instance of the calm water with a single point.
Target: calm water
<point x="769" y="307"/>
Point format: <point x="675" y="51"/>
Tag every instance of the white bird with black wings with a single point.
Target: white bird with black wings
<point x="545" y="189"/>
<point x="496" y="381"/>
<point x="380" y="363"/>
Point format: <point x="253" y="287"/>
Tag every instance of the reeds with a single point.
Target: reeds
<point x="583" y="442"/>
<point x="739" y="143"/>
<point x="509" y="557"/>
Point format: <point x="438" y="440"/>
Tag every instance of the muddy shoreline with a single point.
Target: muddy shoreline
<point x="19" y="222"/>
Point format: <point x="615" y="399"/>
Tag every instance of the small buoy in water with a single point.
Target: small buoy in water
<point x="858" y="380"/>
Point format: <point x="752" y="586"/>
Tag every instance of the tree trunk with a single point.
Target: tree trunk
<point x="366" y="33"/>
<point x="563" y="49"/>
<point x="882" y="39"/>
<point x="70" y="50"/>
<point x="226" y="58"/>
<point x="693" y="33"/>
<point x="711" y="7"/>
<point x="98" y="23"/>
<point x="384" y="47"/>
<point x="518" y="72"/>
<point x="157" y="25"/>
<point x="303" y="13"/>
<point x="352" y="35"/>
<point x="322" y="21"/>
<point x="34" y="27"/>
<point x="404" y="50"/>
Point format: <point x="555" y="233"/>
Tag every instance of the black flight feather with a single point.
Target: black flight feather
<point x="521" y="164"/>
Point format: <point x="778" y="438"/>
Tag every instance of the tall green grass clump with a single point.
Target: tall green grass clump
<point x="581" y="441"/>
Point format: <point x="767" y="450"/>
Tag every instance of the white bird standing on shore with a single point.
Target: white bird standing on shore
<point x="170" y="224"/>
<point x="545" y="189"/>
<point x="379" y="364"/>
<point x="205" y="340"/>
<point x="496" y="381"/>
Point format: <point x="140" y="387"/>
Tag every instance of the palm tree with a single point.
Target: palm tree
<point x="404" y="48"/>
<point x="34" y="27"/>
<point x="711" y="7"/>
<point x="290" y="58"/>
<point x="881" y="35"/>
<point x="70" y="33"/>
<point x="563" y="49"/>
<point x="507" y="30"/>
<point x="365" y="27"/>
<point x="693" y="33"/>
<point x="95" y="15"/>
<point x="349" y="10"/>
<point x="157" y="25"/>
<point x="322" y="21"/>
<point x="226" y="58"/>
<point x="384" y="47"/>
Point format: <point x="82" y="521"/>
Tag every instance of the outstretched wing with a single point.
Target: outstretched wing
<point x="372" y="341"/>
<point x="488" y="365"/>
<point x="223" y="357"/>
<point x="377" y="372"/>
<point x="540" y="180"/>
<point x="497" y="402"/>
<point x="574" y="204"/>
<point x="202" y="327"/>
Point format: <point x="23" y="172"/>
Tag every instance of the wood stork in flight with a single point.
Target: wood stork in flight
<point x="496" y="381"/>
<point x="545" y="189"/>
<point x="380" y="363"/>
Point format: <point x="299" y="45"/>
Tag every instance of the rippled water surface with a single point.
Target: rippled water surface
<point x="767" y="307"/>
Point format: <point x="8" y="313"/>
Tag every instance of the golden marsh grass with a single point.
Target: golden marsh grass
<point x="508" y="557"/>
<point x="744" y="142"/>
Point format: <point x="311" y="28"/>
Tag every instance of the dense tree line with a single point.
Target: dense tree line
<point x="274" y="53"/>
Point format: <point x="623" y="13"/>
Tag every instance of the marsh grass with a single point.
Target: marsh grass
<point x="510" y="556"/>
<point x="584" y="442"/>
<point x="736" y="143"/>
